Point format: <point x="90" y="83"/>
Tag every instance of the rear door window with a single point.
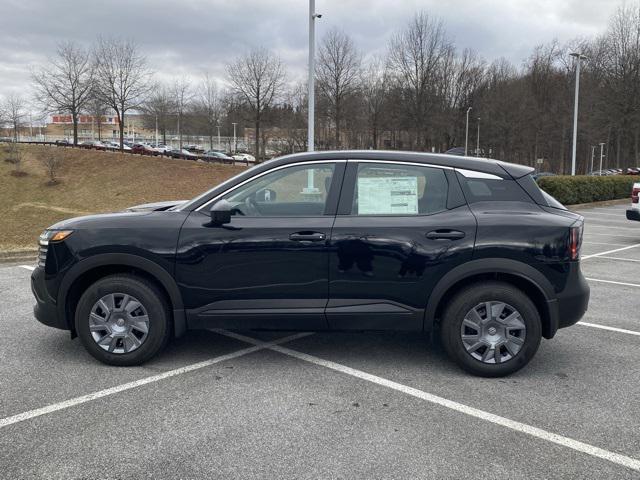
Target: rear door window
<point x="399" y="189"/>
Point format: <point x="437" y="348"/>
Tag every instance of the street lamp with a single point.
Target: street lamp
<point x="578" y="57"/>
<point x="478" y="140"/>
<point x="312" y="68"/>
<point x="466" y="138"/>
<point x="235" y="141"/>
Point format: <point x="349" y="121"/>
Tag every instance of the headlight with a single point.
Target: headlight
<point x="53" y="236"/>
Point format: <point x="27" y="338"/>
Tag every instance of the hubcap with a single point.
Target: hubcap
<point x="119" y="323"/>
<point x="493" y="332"/>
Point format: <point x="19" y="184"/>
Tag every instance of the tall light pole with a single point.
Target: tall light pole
<point x="466" y="137"/>
<point x="312" y="72"/>
<point x="578" y="57"/>
<point x="156" y="129"/>
<point x="601" y="151"/>
<point x="593" y="152"/>
<point x="478" y="140"/>
<point x="235" y="142"/>
<point x="218" y="127"/>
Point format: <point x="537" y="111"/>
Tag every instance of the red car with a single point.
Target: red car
<point x="143" y="149"/>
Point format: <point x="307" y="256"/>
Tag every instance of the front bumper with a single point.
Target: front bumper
<point x="633" y="214"/>
<point x="45" y="309"/>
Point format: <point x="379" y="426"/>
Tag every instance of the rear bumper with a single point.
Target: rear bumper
<point x="45" y="309"/>
<point x="633" y="214"/>
<point x="573" y="302"/>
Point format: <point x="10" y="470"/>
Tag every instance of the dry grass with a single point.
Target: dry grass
<point x="92" y="182"/>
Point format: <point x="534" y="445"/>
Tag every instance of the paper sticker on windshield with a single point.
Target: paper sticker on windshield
<point x="388" y="195"/>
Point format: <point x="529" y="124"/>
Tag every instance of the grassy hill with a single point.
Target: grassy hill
<point x="90" y="182"/>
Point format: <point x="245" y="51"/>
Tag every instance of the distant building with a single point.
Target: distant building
<point x="93" y="128"/>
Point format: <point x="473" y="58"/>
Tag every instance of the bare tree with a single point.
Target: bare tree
<point x="415" y="55"/>
<point x="122" y="77"/>
<point x="65" y="84"/>
<point x="158" y="110"/>
<point x="51" y="159"/>
<point x="182" y="98"/>
<point x="374" y="89"/>
<point x="97" y="109"/>
<point x="210" y="106"/>
<point x="338" y="71"/>
<point x="14" y="111"/>
<point x="257" y="79"/>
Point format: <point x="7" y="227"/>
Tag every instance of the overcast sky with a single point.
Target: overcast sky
<point x="188" y="37"/>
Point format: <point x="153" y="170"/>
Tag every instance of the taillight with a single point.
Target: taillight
<point x="575" y="240"/>
<point x="634" y="194"/>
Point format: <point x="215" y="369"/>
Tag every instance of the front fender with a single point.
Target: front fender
<point x="126" y="260"/>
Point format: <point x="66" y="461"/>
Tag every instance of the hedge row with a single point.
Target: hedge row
<point x="584" y="189"/>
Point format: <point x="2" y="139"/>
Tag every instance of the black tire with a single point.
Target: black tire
<point x="469" y="297"/>
<point x="159" y="329"/>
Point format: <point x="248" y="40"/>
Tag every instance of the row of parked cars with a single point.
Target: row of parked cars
<point x="189" y="152"/>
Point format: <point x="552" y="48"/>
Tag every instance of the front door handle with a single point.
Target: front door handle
<point x="445" y="235"/>
<point x="307" y="237"/>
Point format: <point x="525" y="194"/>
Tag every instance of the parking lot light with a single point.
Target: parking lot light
<point x="466" y="137"/>
<point x="578" y="57"/>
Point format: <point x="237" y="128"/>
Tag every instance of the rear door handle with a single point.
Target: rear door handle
<point x="445" y="235"/>
<point x="307" y="237"/>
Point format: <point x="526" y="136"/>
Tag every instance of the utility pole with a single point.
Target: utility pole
<point x="312" y="74"/>
<point x="601" y="152"/>
<point x="578" y="57"/>
<point x="156" y="129"/>
<point x="235" y="141"/>
<point x="478" y="140"/>
<point x="466" y="138"/>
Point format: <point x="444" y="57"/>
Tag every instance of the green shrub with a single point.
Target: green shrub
<point x="585" y="189"/>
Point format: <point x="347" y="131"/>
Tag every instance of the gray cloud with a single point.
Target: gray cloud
<point x="188" y="37"/>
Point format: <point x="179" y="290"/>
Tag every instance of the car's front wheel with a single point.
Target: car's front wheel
<point x="491" y="329"/>
<point x="123" y="320"/>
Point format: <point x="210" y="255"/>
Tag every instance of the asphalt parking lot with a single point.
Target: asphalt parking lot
<point x="222" y="405"/>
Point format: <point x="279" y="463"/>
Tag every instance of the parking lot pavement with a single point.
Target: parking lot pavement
<point x="331" y="405"/>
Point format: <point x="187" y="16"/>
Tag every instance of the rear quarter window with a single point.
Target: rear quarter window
<point x="489" y="189"/>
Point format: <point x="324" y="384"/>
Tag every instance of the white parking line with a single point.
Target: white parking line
<point x="27" y="267"/>
<point x="611" y="227"/>
<point x="21" y="417"/>
<point x="613" y="329"/>
<point x="613" y="457"/>
<point x="620" y="259"/>
<point x="610" y="251"/>
<point x="611" y="281"/>
<point x="588" y="234"/>
<point x="586" y="242"/>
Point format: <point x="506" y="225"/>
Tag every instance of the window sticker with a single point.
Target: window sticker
<point x="387" y="195"/>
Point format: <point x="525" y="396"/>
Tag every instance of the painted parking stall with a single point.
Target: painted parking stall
<point x="219" y="400"/>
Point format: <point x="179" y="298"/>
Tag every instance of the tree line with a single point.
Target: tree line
<point x="417" y="96"/>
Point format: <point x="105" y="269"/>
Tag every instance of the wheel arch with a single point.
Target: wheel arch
<point x="87" y="271"/>
<point x="523" y="276"/>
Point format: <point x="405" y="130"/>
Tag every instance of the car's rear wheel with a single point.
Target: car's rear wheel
<point x="491" y="329"/>
<point x="123" y="320"/>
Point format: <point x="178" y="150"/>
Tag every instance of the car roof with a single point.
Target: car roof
<point x="485" y="165"/>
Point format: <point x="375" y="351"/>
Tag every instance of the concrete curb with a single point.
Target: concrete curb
<point x="18" y="256"/>
<point x="604" y="203"/>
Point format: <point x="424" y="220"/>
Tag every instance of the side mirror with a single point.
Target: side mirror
<point x="220" y="213"/>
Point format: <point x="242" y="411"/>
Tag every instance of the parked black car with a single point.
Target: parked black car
<point x="327" y="241"/>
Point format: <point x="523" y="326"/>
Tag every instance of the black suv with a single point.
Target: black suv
<point x="345" y="240"/>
